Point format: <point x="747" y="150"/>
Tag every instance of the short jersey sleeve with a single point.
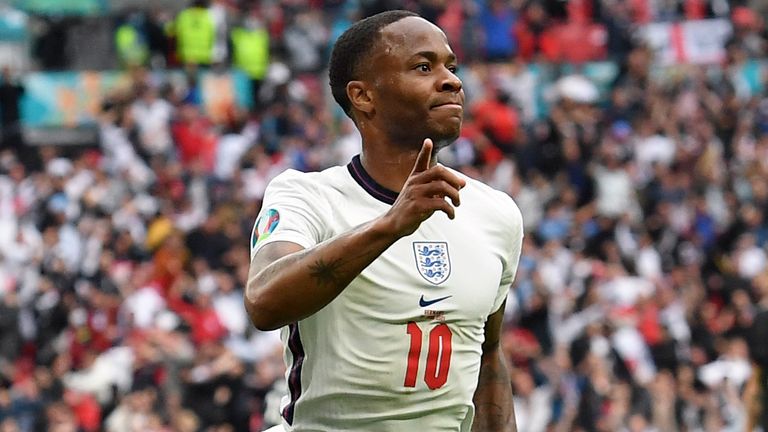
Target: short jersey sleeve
<point x="292" y="211"/>
<point x="512" y="248"/>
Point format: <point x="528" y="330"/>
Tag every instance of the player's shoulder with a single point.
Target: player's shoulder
<point x="480" y="191"/>
<point x="315" y="181"/>
<point x="492" y="204"/>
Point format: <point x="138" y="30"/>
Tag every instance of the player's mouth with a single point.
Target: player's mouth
<point x="450" y="106"/>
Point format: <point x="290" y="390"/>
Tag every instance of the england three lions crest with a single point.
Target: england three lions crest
<point x="433" y="261"/>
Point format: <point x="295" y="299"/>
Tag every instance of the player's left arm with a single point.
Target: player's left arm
<point x="494" y="411"/>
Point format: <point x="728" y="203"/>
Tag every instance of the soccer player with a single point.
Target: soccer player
<point x="388" y="276"/>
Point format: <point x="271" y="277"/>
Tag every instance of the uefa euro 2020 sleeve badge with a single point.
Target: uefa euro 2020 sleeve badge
<point x="265" y="225"/>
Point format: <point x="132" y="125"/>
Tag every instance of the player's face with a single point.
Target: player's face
<point x="417" y="92"/>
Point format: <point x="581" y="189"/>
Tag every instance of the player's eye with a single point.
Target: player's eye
<point x="423" y="67"/>
<point x="453" y="68"/>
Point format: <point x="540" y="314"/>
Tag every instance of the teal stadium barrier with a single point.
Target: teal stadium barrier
<point x="62" y="7"/>
<point x="72" y="99"/>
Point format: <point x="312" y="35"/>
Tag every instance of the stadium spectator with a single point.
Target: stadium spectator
<point x="131" y="42"/>
<point x="497" y="119"/>
<point x="498" y="20"/>
<point x="250" y="53"/>
<point x="152" y="115"/>
<point x="195" y="33"/>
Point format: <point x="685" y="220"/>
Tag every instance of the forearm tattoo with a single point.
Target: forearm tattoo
<point x="327" y="273"/>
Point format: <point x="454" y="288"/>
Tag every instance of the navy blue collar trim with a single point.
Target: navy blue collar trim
<point x="367" y="182"/>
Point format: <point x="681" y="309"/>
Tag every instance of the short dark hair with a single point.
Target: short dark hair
<point x="349" y="49"/>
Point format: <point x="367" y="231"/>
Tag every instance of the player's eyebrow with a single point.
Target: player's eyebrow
<point x="433" y="56"/>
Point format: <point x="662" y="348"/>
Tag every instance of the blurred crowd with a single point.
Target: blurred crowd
<point x="641" y="298"/>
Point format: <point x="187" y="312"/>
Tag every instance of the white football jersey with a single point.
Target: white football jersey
<point x="399" y="349"/>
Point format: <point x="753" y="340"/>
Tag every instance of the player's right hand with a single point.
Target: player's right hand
<point x="425" y="192"/>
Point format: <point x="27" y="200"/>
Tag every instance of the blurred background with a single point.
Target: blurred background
<point x="138" y="137"/>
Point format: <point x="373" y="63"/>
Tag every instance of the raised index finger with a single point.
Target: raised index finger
<point x="422" y="160"/>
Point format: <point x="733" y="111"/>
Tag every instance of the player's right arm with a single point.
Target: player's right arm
<point x="287" y="282"/>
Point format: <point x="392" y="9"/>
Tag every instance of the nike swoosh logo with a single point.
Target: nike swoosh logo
<point x="425" y="303"/>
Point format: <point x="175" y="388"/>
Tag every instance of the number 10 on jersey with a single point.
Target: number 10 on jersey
<point x="438" y="355"/>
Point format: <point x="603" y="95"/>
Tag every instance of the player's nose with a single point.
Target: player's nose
<point x="449" y="82"/>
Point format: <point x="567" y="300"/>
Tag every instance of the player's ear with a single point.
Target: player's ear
<point x="360" y="96"/>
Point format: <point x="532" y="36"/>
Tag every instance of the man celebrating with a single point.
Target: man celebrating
<point x="389" y="275"/>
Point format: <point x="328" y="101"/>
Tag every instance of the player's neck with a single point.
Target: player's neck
<point x="389" y="166"/>
<point x="386" y="157"/>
